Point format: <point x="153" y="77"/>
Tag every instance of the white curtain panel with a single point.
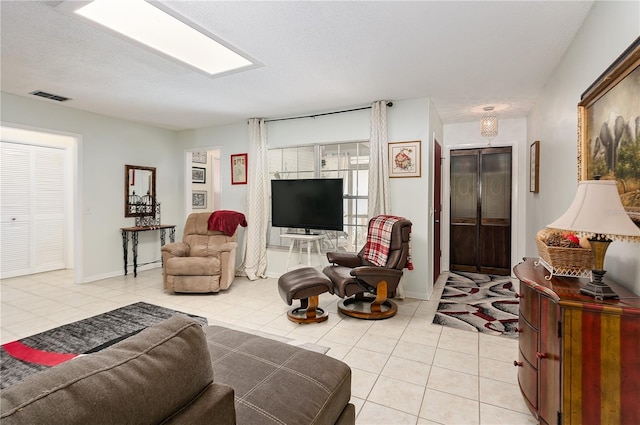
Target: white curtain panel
<point x="379" y="202"/>
<point x="254" y="264"/>
<point x="378" y="161"/>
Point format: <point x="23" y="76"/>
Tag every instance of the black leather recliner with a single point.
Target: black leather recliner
<point x="354" y="277"/>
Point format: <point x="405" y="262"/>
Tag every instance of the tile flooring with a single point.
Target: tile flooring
<point x="406" y="370"/>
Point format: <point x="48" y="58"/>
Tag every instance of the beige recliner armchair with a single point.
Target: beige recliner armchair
<point x="204" y="261"/>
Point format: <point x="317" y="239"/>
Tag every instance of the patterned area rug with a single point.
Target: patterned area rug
<point x="480" y="303"/>
<point x="35" y="353"/>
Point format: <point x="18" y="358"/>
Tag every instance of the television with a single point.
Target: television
<point x="307" y="204"/>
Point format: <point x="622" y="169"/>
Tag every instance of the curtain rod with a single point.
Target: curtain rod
<point x="389" y="104"/>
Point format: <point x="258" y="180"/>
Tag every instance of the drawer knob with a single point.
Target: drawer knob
<point x="519" y="330"/>
<point x="519" y="296"/>
<point x="517" y="363"/>
<point x="541" y="355"/>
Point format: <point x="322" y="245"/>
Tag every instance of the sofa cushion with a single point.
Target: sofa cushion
<point x="277" y="383"/>
<point x="151" y="377"/>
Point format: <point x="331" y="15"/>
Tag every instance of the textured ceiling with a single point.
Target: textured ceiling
<point x="316" y="56"/>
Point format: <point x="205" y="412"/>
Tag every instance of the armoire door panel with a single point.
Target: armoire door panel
<point x="549" y="360"/>
<point x="463" y="245"/>
<point x="495" y="247"/>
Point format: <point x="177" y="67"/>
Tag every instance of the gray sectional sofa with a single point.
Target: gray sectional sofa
<point x="178" y="372"/>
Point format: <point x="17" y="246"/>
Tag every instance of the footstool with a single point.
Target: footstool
<point x="305" y="284"/>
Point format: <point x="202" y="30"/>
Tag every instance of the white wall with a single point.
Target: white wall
<point x="607" y="31"/>
<point x="511" y="132"/>
<point x="107" y="144"/>
<point x="407" y="120"/>
<point x="412" y="197"/>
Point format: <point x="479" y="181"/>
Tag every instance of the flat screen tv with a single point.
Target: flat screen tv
<point x="307" y="204"/>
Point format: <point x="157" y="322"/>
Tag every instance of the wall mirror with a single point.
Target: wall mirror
<point x="139" y="191"/>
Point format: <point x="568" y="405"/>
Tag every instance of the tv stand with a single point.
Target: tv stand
<point x="309" y="239"/>
<point x="306" y="233"/>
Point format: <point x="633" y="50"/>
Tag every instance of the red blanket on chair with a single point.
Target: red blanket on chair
<point x="226" y="221"/>
<point x="376" y="250"/>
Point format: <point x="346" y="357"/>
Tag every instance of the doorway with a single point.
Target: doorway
<point x="40" y="219"/>
<point x="480" y="210"/>
<point x="202" y="180"/>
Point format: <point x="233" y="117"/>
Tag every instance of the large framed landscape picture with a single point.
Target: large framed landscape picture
<point x="609" y="129"/>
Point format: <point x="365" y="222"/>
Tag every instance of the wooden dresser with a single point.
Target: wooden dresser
<point x="579" y="358"/>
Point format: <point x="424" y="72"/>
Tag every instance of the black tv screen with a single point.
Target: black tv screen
<point x="307" y="204"/>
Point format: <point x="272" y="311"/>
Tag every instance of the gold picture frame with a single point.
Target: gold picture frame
<point x="608" y="135"/>
<point x="534" y="167"/>
<point x="405" y="159"/>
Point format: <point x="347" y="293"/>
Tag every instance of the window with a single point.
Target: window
<point x="349" y="161"/>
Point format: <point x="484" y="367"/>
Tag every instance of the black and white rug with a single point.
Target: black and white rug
<point x="37" y="352"/>
<point x="479" y="303"/>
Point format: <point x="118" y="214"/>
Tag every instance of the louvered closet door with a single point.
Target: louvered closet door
<point x="33" y="209"/>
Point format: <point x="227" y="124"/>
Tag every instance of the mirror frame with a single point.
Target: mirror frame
<point x="127" y="209"/>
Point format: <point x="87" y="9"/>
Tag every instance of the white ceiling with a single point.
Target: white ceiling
<point x="317" y="57"/>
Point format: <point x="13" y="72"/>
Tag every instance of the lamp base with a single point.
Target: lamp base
<point x="597" y="288"/>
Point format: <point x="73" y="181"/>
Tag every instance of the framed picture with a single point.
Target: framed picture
<point x="199" y="157"/>
<point x="608" y="136"/>
<point x="404" y="159"/>
<point x="198" y="175"/>
<point x="199" y="199"/>
<point x="239" y="168"/>
<point x="534" y="167"/>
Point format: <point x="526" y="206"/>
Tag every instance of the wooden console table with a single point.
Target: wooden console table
<point x="579" y="361"/>
<point x="133" y="231"/>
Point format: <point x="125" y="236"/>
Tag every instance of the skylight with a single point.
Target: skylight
<point x="159" y="30"/>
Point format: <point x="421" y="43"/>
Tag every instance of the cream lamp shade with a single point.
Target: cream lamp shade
<point x="597" y="210"/>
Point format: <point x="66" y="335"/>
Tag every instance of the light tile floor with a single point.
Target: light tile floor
<point x="406" y="370"/>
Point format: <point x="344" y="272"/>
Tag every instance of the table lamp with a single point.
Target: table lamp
<point x="596" y="212"/>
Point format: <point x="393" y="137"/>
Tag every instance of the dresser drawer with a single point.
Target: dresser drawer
<point x="529" y="305"/>
<point x="528" y="380"/>
<point x="528" y="341"/>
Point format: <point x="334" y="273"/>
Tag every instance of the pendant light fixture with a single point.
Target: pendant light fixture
<point x="489" y="124"/>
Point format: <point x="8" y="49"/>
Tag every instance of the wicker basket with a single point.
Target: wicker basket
<point x="560" y="261"/>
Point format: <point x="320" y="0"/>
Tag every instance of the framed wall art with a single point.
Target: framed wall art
<point x="239" y="168"/>
<point x="534" y="167"/>
<point x="199" y="157"/>
<point x="404" y="159"/>
<point x="199" y="199"/>
<point x="198" y="175"/>
<point x="608" y="135"/>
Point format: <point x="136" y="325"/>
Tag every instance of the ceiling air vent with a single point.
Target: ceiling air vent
<point x="49" y="96"/>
